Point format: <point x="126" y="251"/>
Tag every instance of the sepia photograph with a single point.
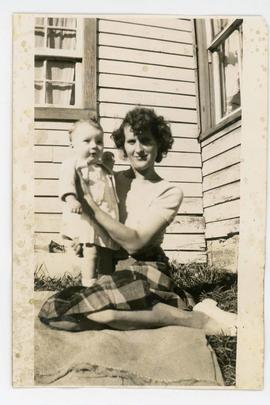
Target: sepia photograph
<point x="135" y="160"/>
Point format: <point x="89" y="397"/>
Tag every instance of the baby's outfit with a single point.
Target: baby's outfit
<point x="100" y="183"/>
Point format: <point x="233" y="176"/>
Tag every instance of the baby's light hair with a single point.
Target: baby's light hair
<point x="91" y="121"/>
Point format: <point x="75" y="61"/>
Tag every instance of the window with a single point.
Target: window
<point x="220" y="52"/>
<point x="65" y="67"/>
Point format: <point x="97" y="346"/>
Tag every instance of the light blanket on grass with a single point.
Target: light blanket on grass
<point x="168" y="356"/>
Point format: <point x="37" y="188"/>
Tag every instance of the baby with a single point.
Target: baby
<point x="86" y="165"/>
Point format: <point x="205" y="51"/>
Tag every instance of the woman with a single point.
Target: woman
<point x="142" y="295"/>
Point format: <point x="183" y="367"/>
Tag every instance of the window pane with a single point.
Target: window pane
<point x="39" y="71"/>
<point x="229" y="61"/>
<point x="61" y="88"/>
<point x="60" y="71"/>
<point x="39" y="93"/>
<point x="218" y="25"/>
<point x="62" y="94"/>
<point x="39" y="37"/>
<point x="61" y="39"/>
<point x="39" y="21"/>
<point x="62" y="22"/>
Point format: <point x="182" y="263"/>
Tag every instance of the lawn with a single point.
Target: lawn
<point x="202" y="282"/>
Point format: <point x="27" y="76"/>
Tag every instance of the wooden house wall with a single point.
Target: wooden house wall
<point x="221" y="195"/>
<point x="148" y="62"/>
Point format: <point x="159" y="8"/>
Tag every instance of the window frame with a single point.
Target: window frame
<point x="206" y="89"/>
<point x="88" y="56"/>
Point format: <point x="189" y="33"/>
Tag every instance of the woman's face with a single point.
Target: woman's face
<point x="141" y="151"/>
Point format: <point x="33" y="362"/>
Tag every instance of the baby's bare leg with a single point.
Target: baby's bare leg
<point x="89" y="264"/>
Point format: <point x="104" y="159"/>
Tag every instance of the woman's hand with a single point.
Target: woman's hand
<point x="84" y="186"/>
<point x="86" y="201"/>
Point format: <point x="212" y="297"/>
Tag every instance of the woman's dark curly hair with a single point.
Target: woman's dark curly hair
<point x="140" y="119"/>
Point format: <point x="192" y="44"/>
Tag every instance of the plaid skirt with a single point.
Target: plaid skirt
<point x="138" y="287"/>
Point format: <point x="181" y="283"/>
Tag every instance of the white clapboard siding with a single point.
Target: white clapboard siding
<point x="172" y="23"/>
<point x="186" y="257"/>
<point x="178" y="129"/>
<point x="221" y="184"/>
<point x="228" y="129"/>
<point x="187" y="224"/>
<point x="151" y="58"/>
<point x="189" y="189"/>
<point x="180" y="174"/>
<point x="191" y="205"/>
<point x="147" y="71"/>
<point x="170" y="114"/>
<point x="46" y="170"/>
<point x="54" y="154"/>
<point x="226" y="210"/>
<point x="222" y="161"/>
<point x="119" y="81"/>
<point x="48" y="205"/>
<point x="221" y="145"/>
<point x="222" y="229"/>
<point x="222" y="194"/>
<point x="155" y="98"/>
<point x="44" y="187"/>
<point x="55" y="125"/>
<point x="144" y="31"/>
<point x="48" y="222"/>
<point x="51" y="137"/>
<point x="184" y="242"/>
<point x="181" y="159"/>
<point x="225" y="176"/>
<point x="130" y="42"/>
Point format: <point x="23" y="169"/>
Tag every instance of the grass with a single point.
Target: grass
<point x="201" y="281"/>
<point x="43" y="282"/>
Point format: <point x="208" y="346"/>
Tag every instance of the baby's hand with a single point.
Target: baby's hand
<point x="75" y="206"/>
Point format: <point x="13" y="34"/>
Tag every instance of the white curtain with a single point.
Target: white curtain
<point x="59" y="77"/>
<point x="64" y="38"/>
<point x="229" y="62"/>
<point x="39" y="32"/>
<point x="39" y="76"/>
<point x="232" y="71"/>
<point x="60" y="89"/>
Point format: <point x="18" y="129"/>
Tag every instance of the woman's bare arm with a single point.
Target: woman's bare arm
<point x="130" y="239"/>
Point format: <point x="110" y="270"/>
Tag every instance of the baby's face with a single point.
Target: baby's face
<point x="87" y="142"/>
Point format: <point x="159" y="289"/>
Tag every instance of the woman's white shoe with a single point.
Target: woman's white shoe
<point x="220" y="322"/>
